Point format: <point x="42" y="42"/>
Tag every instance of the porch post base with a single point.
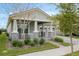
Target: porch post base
<point x="15" y="36"/>
<point x="52" y="35"/>
<point x="36" y="35"/>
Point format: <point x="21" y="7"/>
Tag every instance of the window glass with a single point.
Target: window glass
<point x="22" y="21"/>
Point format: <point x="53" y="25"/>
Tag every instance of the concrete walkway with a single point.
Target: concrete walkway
<point x="58" y="51"/>
<point x="54" y="52"/>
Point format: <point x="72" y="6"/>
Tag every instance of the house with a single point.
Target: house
<point x="34" y="23"/>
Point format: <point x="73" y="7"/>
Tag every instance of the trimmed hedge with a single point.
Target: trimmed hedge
<point x="36" y="40"/>
<point x="42" y="41"/>
<point x="27" y="41"/>
<point x="58" y="39"/>
<point x="17" y="43"/>
<point x="32" y="43"/>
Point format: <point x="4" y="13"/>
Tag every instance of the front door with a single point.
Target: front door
<point x="26" y="33"/>
<point x="41" y="31"/>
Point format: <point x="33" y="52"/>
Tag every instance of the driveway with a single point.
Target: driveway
<point x="67" y="39"/>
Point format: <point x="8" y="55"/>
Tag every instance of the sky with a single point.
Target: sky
<point x="7" y="8"/>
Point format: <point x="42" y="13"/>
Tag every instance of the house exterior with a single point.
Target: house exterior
<point x="34" y="23"/>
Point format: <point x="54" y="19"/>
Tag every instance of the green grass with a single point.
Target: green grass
<point x="73" y="54"/>
<point x="65" y="43"/>
<point x="19" y="51"/>
<point x="3" y="41"/>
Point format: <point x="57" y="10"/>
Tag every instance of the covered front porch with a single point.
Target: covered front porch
<point x="22" y="29"/>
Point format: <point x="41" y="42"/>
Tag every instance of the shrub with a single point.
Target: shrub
<point x="36" y="40"/>
<point x="27" y="41"/>
<point x="0" y="31"/>
<point x="14" y="43"/>
<point x="7" y="34"/>
<point x="17" y="43"/>
<point x="3" y="41"/>
<point x="20" y="43"/>
<point x="9" y="39"/>
<point x="42" y="41"/>
<point x="58" y="39"/>
<point x="32" y="43"/>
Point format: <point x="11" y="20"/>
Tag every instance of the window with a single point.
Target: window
<point x="20" y="30"/>
<point x="17" y="21"/>
<point x="53" y="28"/>
<point x="26" y="30"/>
<point x="22" y="21"/>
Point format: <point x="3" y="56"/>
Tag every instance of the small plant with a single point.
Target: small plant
<point x="17" y="43"/>
<point x="36" y="40"/>
<point x="27" y="41"/>
<point x="42" y="41"/>
<point x="32" y="43"/>
<point x="58" y="39"/>
<point x="20" y="43"/>
<point x="14" y="43"/>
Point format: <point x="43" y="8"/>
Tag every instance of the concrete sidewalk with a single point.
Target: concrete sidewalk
<point x="54" y="52"/>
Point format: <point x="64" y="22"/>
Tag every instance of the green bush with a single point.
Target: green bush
<point x="7" y="34"/>
<point x="0" y="31"/>
<point x="17" y="43"/>
<point x="42" y="41"/>
<point x="3" y="41"/>
<point x="27" y="41"/>
<point x="36" y="40"/>
<point x="32" y="43"/>
<point x="58" y="39"/>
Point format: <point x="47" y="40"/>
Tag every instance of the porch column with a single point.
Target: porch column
<point x="15" y="30"/>
<point x="35" y="29"/>
<point x="15" y="26"/>
<point x="35" y="26"/>
<point x="51" y="28"/>
<point x="51" y="31"/>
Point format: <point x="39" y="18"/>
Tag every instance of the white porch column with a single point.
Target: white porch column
<point x="35" y="27"/>
<point x="15" y="26"/>
<point x="15" y="34"/>
<point x="35" y="30"/>
<point x="51" y="28"/>
<point x="51" y="31"/>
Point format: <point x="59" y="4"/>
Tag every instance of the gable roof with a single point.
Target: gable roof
<point x="38" y="9"/>
<point x="16" y="13"/>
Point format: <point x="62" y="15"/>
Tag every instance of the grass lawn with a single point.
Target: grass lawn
<point x="73" y="54"/>
<point x="65" y="43"/>
<point x="19" y="51"/>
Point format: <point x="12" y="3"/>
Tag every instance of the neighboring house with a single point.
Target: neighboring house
<point x="34" y="23"/>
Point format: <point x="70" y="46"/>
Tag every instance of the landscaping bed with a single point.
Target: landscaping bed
<point x="20" y="51"/>
<point x="61" y="41"/>
<point x="23" y="47"/>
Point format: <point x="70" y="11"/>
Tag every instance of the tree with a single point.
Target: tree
<point x="67" y="19"/>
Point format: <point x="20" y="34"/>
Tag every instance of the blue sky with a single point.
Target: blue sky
<point x="6" y="9"/>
